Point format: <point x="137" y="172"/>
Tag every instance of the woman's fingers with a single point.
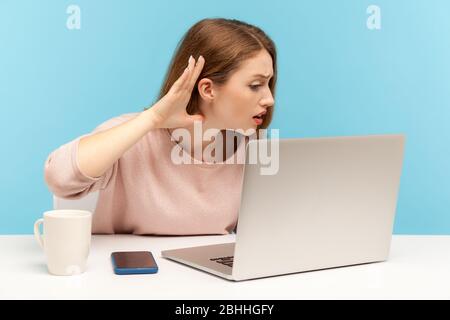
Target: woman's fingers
<point x="196" y="72"/>
<point x="190" y="75"/>
<point x="182" y="81"/>
<point x="191" y="69"/>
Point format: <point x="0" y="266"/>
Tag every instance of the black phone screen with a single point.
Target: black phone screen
<point x="134" y="259"/>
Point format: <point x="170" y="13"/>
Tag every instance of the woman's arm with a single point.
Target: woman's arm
<point x="98" y="152"/>
<point x="88" y="163"/>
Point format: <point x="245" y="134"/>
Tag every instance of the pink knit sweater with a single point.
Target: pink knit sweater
<point x="144" y="192"/>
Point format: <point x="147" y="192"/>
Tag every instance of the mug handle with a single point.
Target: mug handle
<point x="37" y="234"/>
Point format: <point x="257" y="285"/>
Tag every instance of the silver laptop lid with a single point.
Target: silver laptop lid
<point x="332" y="203"/>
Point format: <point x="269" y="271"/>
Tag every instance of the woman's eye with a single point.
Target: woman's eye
<point x="255" y="86"/>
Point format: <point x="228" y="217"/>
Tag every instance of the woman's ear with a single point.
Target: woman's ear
<point x="206" y="89"/>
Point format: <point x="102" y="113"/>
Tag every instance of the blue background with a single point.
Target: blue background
<point x="336" y="77"/>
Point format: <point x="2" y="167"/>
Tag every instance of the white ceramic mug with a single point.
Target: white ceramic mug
<point x="66" y="240"/>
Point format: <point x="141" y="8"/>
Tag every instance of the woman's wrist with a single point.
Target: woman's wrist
<point x="151" y="119"/>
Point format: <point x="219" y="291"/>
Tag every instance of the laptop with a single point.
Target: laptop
<point x="332" y="203"/>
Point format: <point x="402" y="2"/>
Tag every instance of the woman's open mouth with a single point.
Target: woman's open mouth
<point x="259" y="118"/>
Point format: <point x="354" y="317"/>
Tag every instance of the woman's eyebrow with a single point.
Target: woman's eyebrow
<point x="259" y="75"/>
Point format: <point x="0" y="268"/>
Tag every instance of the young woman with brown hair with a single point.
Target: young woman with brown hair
<point x="228" y="84"/>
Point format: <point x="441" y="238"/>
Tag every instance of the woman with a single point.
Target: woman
<point x="129" y="158"/>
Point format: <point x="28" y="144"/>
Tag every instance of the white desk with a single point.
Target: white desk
<point x="418" y="268"/>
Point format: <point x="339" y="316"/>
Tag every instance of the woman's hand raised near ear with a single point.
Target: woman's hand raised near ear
<point x="99" y="151"/>
<point x="170" y="110"/>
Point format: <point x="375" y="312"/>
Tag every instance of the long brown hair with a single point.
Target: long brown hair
<point x="225" y="44"/>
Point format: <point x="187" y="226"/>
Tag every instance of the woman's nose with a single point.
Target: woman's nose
<point x="268" y="100"/>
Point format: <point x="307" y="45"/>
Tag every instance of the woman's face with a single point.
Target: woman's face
<point x="245" y="95"/>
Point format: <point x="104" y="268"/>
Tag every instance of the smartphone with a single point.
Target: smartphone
<point x="133" y="262"/>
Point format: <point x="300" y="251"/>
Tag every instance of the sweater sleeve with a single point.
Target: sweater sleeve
<point x="62" y="173"/>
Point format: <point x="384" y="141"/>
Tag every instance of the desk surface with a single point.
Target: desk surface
<point x="418" y="268"/>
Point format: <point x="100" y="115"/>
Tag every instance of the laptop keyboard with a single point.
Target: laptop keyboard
<point x="228" y="261"/>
